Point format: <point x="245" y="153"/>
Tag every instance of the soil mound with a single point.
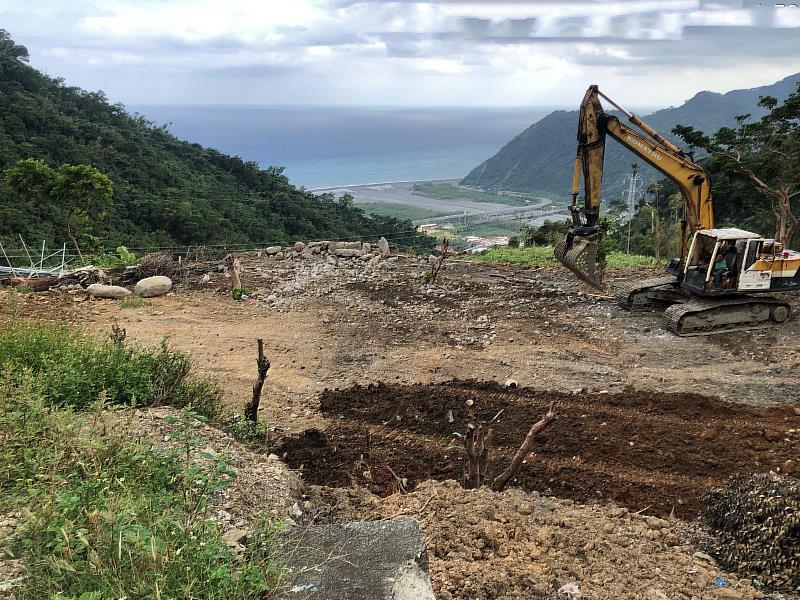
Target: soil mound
<point x="642" y="450"/>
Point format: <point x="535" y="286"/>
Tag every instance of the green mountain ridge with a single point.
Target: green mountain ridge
<point x="167" y="192"/>
<point x="541" y="158"/>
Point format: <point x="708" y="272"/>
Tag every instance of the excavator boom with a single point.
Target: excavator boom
<point x="579" y="251"/>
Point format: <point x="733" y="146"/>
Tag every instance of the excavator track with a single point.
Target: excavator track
<point x="634" y="296"/>
<point x="705" y="316"/>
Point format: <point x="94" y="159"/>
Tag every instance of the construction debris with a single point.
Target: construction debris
<point x="755" y="524"/>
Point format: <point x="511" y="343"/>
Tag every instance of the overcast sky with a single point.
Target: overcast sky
<point x="646" y="53"/>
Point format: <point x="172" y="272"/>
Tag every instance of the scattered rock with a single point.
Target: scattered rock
<point x="233" y="537"/>
<point x="150" y="287"/>
<point x="101" y="290"/>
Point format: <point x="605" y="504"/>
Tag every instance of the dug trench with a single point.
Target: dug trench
<point x="646" y="451"/>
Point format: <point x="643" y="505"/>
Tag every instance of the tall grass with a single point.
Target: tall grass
<point x="106" y="514"/>
<point x="73" y="369"/>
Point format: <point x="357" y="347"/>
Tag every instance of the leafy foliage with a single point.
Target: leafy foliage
<point x="80" y="190"/>
<point x="126" y="256"/>
<point x="166" y="192"/>
<point x="764" y="156"/>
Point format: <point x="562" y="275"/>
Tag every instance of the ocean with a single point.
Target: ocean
<point x="335" y="146"/>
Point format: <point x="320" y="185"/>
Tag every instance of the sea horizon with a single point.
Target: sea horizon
<point x="340" y="146"/>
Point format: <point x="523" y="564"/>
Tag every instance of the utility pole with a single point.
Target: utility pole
<point x="655" y="189"/>
<point x="633" y="184"/>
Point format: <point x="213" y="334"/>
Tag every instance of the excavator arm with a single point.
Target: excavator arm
<point x="579" y="251"/>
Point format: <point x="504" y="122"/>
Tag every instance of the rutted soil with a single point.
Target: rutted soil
<point x="639" y="449"/>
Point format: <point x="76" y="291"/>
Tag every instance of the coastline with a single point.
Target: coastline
<point x="402" y="193"/>
<point x="381" y="183"/>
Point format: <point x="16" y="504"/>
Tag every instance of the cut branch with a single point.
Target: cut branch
<point x="477" y="447"/>
<point x="501" y="481"/>
<point x="251" y="410"/>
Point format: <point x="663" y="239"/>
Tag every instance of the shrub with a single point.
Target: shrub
<point x="126" y="256"/>
<point x="74" y="369"/>
<point x="107" y="515"/>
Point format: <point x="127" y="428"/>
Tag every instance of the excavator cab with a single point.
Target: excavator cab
<point x="724" y="261"/>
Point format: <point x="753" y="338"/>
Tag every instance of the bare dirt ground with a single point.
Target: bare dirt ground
<point x="649" y="419"/>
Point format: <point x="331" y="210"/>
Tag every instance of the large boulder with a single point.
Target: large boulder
<point x="383" y="246"/>
<point x="150" y="287"/>
<point x="299" y="247"/>
<point x="101" y="290"/>
<point x="347" y="252"/>
<point x="379" y="560"/>
<point x="273" y="250"/>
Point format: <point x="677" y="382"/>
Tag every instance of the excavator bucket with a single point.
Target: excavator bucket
<point x="579" y="255"/>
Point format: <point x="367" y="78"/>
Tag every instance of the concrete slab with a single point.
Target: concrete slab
<point x="376" y="560"/>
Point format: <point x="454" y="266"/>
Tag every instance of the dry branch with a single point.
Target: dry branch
<point x="118" y="334"/>
<point x="251" y="409"/>
<point x="230" y="262"/>
<point x="501" y="481"/>
<point x="444" y="251"/>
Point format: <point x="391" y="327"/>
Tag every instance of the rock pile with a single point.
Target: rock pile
<point x="755" y="524"/>
<point x="334" y="250"/>
<point x="318" y="269"/>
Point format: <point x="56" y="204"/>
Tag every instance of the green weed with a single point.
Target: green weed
<point x="543" y="256"/>
<point x="247" y="432"/>
<point x="74" y="369"/>
<point x="133" y="302"/>
<point x="108" y="515"/>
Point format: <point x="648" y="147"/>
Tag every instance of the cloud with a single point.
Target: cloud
<point x="373" y="51"/>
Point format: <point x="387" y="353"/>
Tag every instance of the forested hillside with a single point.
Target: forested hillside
<point x="541" y="157"/>
<point x="165" y="191"/>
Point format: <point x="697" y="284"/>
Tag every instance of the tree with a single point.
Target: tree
<point x="9" y="48"/>
<point x="79" y="189"/>
<point x="765" y="154"/>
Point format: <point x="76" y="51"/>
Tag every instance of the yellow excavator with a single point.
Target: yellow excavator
<point x="718" y="283"/>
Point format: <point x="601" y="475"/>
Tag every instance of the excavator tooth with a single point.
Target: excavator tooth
<point x="581" y="259"/>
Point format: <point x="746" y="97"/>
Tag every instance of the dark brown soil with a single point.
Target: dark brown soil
<point x="642" y="450"/>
